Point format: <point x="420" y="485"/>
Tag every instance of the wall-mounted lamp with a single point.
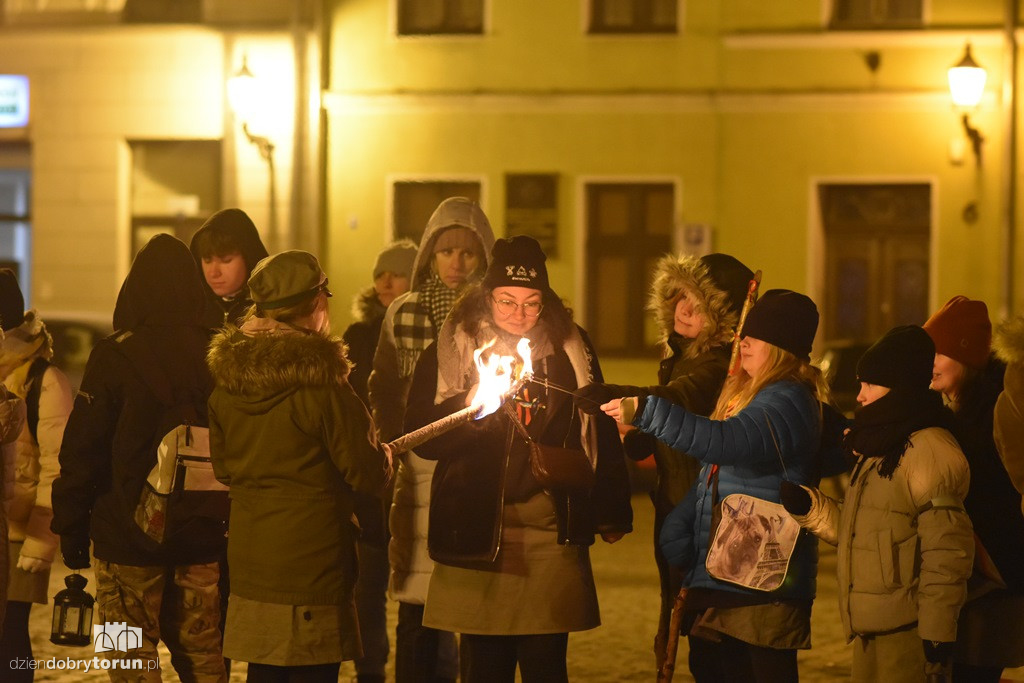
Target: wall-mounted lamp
<point x="966" y="86"/>
<point x="244" y="99"/>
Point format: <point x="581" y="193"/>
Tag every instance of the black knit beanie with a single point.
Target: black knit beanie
<point x="901" y="359"/>
<point x="517" y="262"/>
<point x="12" y="303"/>
<point x="786" y="319"/>
<point x="730" y="276"/>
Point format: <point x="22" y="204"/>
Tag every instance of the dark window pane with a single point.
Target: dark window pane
<point x="425" y="17"/>
<point x="852" y="313"/>
<point x="873" y="14"/>
<point x="415" y="201"/>
<point x="633" y="16"/>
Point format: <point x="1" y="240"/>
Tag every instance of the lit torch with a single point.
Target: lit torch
<point x="499" y="380"/>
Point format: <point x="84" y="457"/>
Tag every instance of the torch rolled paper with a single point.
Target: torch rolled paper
<point x="409" y="441"/>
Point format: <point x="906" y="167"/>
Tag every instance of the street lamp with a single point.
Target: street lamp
<point x="966" y="87"/>
<point x="244" y="99"/>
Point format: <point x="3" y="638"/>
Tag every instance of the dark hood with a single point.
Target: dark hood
<point x="236" y="224"/>
<point x="161" y="287"/>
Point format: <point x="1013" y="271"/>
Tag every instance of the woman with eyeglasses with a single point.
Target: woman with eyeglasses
<point x="512" y="572"/>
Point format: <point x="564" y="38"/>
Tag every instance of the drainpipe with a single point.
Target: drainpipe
<point x="1007" y="237"/>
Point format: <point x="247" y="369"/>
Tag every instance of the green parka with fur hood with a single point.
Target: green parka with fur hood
<point x="293" y="441"/>
<point x="1008" y="428"/>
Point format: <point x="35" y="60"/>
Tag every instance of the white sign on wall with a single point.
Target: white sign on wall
<point x="13" y="101"/>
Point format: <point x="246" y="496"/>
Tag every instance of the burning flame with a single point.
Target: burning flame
<point x="498" y="374"/>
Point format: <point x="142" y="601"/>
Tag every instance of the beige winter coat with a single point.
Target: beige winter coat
<point x="906" y="545"/>
<point x="32" y="466"/>
<point x="12" y="420"/>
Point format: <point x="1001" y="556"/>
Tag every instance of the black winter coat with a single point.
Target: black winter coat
<point x="992" y="502"/>
<point x="109" y="444"/>
<point x="477" y="471"/>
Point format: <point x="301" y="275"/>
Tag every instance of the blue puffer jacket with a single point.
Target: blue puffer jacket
<point x="744" y="448"/>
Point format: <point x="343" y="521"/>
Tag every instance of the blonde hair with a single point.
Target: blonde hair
<point x="780" y="365"/>
<point x="290" y="314"/>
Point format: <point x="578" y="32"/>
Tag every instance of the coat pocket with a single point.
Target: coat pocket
<point x="897" y="559"/>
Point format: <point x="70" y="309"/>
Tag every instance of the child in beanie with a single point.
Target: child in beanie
<point x="900" y="591"/>
<point x="776" y="433"/>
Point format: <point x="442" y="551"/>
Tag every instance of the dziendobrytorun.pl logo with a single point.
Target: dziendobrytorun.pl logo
<point x="107" y="637"/>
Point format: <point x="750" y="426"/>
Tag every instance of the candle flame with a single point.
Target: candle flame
<point x="497" y="375"/>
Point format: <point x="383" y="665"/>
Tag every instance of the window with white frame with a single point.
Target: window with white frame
<point x="629" y="227"/>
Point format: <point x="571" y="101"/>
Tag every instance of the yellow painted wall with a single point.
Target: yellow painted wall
<point x="748" y="109"/>
<point x="91" y="91"/>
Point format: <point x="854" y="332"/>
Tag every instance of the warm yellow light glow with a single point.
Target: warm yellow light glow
<point x="497" y="374"/>
<point x="243" y="92"/>
<point x="966" y="81"/>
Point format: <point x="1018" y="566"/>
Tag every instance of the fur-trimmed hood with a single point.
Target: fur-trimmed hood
<point x="367" y="306"/>
<point x="1008" y="340"/>
<point x="672" y="275"/>
<point x="275" y="362"/>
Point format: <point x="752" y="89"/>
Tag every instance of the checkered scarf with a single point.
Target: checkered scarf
<point x="418" y="319"/>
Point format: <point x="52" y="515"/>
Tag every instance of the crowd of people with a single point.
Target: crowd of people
<point x="225" y="468"/>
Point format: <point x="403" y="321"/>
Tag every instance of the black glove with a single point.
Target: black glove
<point x="937" y="652"/>
<point x="794" y="498"/>
<point x="638" y="445"/>
<point x="75" y="550"/>
<point x="588" y="399"/>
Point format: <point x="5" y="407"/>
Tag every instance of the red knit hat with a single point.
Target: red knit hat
<point x="962" y="330"/>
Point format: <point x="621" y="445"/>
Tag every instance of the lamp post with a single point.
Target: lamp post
<point x="244" y="98"/>
<point x="966" y="87"/>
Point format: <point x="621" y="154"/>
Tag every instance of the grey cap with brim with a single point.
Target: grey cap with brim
<point x="286" y="279"/>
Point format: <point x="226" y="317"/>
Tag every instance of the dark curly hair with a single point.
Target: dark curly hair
<point x="474" y="306"/>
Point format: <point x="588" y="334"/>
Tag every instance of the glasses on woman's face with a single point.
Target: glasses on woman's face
<point x="531" y="309"/>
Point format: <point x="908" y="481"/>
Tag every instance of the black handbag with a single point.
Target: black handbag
<point x="566" y="470"/>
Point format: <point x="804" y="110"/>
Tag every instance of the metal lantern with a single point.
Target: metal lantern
<point x="72" y="613"/>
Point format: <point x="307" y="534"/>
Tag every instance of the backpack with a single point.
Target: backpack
<point x="182" y="510"/>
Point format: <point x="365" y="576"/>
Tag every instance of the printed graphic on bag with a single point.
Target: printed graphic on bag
<point x="753" y="543"/>
<point x="182" y="478"/>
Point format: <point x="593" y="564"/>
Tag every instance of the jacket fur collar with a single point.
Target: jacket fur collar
<point x="1008" y="341"/>
<point x="273" y="361"/>
<point x="672" y="275"/>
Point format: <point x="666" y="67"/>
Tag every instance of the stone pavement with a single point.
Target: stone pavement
<point x="620" y="650"/>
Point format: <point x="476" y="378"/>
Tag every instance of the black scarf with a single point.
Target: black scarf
<point x="882" y="428"/>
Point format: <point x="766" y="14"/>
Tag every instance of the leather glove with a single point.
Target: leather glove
<point x="937" y="652"/>
<point x="588" y="399"/>
<point x="794" y="498"/>
<point x="75" y="551"/>
<point x="638" y="445"/>
<point x="33" y="565"/>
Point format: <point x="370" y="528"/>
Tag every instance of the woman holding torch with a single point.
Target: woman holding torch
<point x="513" y="570"/>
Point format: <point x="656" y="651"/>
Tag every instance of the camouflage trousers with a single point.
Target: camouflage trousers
<point x="178" y="605"/>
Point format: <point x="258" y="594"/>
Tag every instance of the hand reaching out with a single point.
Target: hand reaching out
<point x="612" y="409"/>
